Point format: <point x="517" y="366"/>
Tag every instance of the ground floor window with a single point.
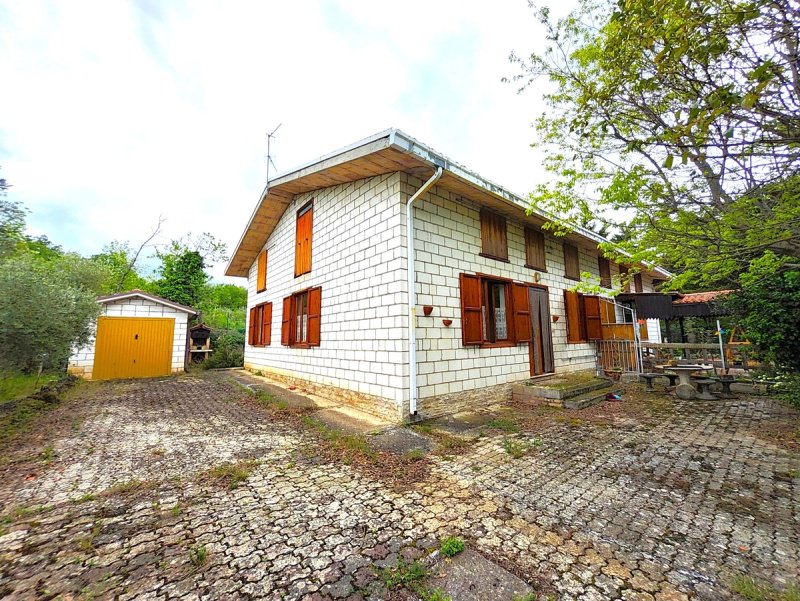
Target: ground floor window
<point x="260" y="326"/>
<point x="494" y="311"/>
<point x="301" y="318"/>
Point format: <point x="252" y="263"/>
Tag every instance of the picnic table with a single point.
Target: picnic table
<point x="685" y="389"/>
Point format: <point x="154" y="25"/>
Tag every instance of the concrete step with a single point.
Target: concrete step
<point x="586" y="400"/>
<point x="554" y="391"/>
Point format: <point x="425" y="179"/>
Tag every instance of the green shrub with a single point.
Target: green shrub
<point x="228" y="347"/>
<point x="451" y="546"/>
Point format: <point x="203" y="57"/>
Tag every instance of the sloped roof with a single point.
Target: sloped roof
<point x="385" y="152"/>
<point x="701" y="297"/>
<point x="136" y="293"/>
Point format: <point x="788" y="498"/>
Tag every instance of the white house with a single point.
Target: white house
<point x="326" y="256"/>
<point x="138" y="335"/>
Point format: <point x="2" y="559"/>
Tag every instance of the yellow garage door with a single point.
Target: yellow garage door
<point x="133" y="347"/>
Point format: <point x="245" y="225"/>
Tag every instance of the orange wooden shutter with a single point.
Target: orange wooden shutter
<point x="572" y="268"/>
<point x="494" y="235"/>
<point x="534" y="249"/>
<point x="522" y="313"/>
<point x="266" y="324"/>
<point x="261" y="277"/>
<point x="591" y="311"/>
<point x="302" y="256"/>
<point x="251" y="332"/>
<point x="286" y="321"/>
<point x="314" y="313"/>
<point x="573" y="310"/>
<point x="604" y="266"/>
<point x="471" y="313"/>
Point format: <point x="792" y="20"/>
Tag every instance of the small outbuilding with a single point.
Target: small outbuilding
<point x="138" y="335"/>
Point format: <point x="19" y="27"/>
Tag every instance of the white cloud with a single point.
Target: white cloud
<point x="115" y="113"/>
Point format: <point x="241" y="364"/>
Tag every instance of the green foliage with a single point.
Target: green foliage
<point x="668" y="123"/>
<point x="118" y="258"/>
<point x="753" y="590"/>
<point x="16" y="386"/>
<point x="12" y="225"/>
<point x="198" y="556"/>
<point x="183" y="278"/>
<point x="451" y="546"/>
<point x="228" y="349"/>
<point x="506" y="425"/>
<point x="402" y="574"/>
<point x="44" y="313"/>
<point x="768" y="308"/>
<point x="223" y="307"/>
<point x="515" y="448"/>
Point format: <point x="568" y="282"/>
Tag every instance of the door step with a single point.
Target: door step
<point x="570" y="391"/>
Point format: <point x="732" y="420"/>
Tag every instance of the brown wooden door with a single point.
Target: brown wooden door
<point x="541" y="347"/>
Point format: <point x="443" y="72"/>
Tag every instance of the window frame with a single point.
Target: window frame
<point x="261" y="272"/>
<point x="511" y="337"/>
<point x="605" y="281"/>
<point x="575" y="278"/>
<point x="307" y="208"/>
<point x="255" y="337"/>
<point x="530" y="235"/>
<point x="291" y="323"/>
<point x="485" y="216"/>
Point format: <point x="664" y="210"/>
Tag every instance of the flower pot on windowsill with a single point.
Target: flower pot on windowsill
<point x="427" y="310"/>
<point x="447" y="322"/>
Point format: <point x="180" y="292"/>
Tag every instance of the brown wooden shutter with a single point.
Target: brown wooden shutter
<point x="572" y="268"/>
<point x="314" y="313"/>
<point x="575" y="326"/>
<point x="522" y="313"/>
<point x="623" y="275"/>
<point x="534" y="250"/>
<point x="286" y="321"/>
<point x="266" y="324"/>
<point x="261" y="277"/>
<point x="302" y="255"/>
<point x="471" y="313"/>
<point x="604" y="267"/>
<point x="494" y="235"/>
<point x="637" y="282"/>
<point x="591" y="311"/>
<point x="251" y="331"/>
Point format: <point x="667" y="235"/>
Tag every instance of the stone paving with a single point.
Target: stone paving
<point x="669" y="508"/>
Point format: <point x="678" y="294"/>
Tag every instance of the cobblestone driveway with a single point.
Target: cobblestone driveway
<point x="109" y="504"/>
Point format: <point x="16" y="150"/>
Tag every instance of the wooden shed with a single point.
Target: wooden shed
<point x="138" y="335"/>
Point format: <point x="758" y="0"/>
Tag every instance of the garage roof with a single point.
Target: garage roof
<point x="109" y="298"/>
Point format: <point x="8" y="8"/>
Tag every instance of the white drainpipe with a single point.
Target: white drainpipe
<point x="412" y="292"/>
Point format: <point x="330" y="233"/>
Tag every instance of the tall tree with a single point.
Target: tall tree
<point x="182" y="274"/>
<point x="678" y="123"/>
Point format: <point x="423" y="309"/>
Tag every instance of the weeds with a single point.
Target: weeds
<point x="402" y="574"/>
<point x="176" y="510"/>
<point x="525" y="597"/>
<point x="129" y="487"/>
<point x="451" y="546"/>
<point x="515" y="448"/>
<point x="85" y="498"/>
<point x="506" y="425"/>
<point x="752" y="590"/>
<point x="47" y="454"/>
<point x="434" y="594"/>
<point x="230" y="475"/>
<point x="198" y="556"/>
<point x="414" y="455"/>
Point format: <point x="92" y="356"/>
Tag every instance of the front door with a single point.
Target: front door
<point x="541" y="347"/>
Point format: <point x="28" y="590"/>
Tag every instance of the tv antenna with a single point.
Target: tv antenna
<point x="269" y="155"/>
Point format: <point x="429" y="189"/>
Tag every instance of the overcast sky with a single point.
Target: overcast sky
<point x="114" y="113"/>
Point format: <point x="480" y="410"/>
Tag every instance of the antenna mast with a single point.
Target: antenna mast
<point x="269" y="155"/>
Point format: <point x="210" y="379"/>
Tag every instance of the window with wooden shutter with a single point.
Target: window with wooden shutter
<point x="534" y="250"/>
<point x="471" y="310"/>
<point x="494" y="236"/>
<point x="314" y="313"/>
<point x="572" y="268"/>
<point x="266" y="324"/>
<point x="286" y="321"/>
<point x="576" y="324"/>
<point x="302" y="254"/>
<point x="522" y="313"/>
<point x="604" y="266"/>
<point x="637" y="282"/>
<point x="591" y="312"/>
<point x="261" y="272"/>
<point x="252" y="328"/>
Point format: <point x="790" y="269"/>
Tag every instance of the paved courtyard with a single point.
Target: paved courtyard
<point x="115" y="498"/>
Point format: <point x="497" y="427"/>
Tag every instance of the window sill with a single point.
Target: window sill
<point x="571" y="278"/>
<point x="504" y="343"/>
<point x="503" y="259"/>
<point x="542" y="269"/>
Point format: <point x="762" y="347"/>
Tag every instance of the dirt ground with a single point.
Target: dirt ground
<point x="184" y="488"/>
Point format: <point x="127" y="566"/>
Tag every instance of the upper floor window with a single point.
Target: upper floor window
<point x="302" y="252"/>
<point x="261" y="274"/>
<point x="572" y="267"/>
<point x="637" y="283"/>
<point x="604" y="265"/>
<point x="494" y="236"/>
<point x="534" y="250"/>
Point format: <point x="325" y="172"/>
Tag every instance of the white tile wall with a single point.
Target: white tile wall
<point x="82" y="361"/>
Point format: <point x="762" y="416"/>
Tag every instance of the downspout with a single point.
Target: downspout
<point x="412" y="292"/>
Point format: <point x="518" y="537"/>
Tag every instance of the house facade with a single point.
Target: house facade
<point x="326" y="258"/>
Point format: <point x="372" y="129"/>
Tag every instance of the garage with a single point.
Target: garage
<point x="138" y="335"/>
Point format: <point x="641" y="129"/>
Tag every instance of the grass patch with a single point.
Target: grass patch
<point x="515" y="448"/>
<point x="525" y="597"/>
<point x="752" y="590"/>
<point x="83" y="499"/>
<point x="506" y="425"/>
<point x="129" y="487"/>
<point x="402" y="574"/>
<point x="47" y="454"/>
<point x="14" y="386"/>
<point x="269" y="400"/>
<point x="451" y="546"/>
<point x="434" y="594"/>
<point x="414" y="455"/>
<point x="198" y="556"/>
<point x="350" y="446"/>
<point x="230" y="475"/>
